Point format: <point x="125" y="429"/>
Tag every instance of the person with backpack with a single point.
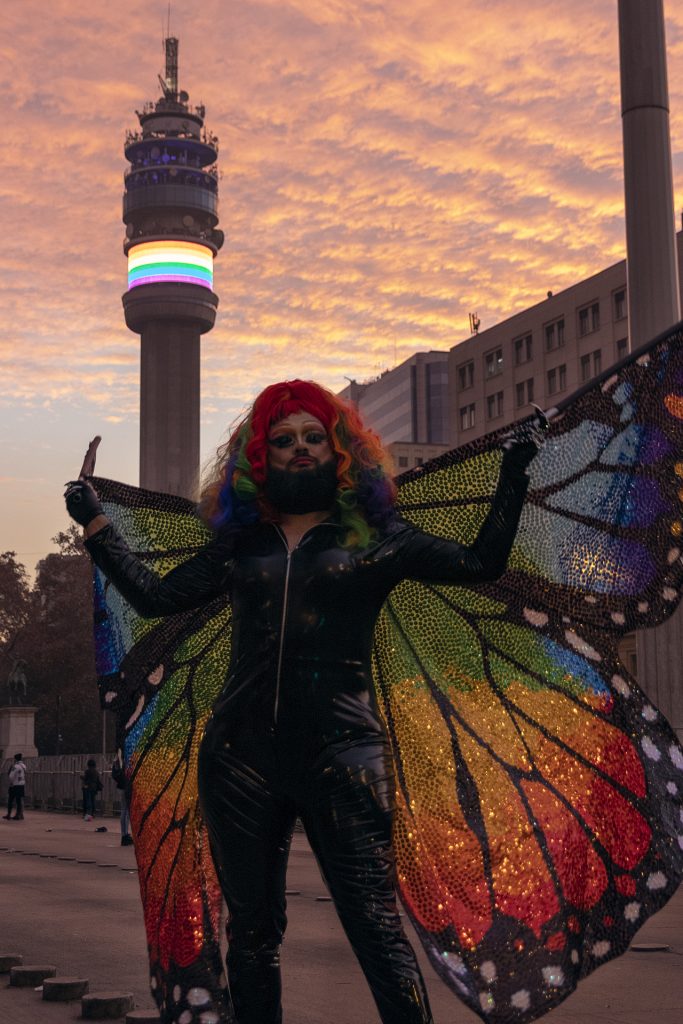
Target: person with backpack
<point x="17" y="786"/>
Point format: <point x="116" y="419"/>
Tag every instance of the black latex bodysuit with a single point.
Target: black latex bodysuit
<point x="295" y="731"/>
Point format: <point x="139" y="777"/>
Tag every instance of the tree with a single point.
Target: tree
<point x="57" y="645"/>
<point x="15" y="607"/>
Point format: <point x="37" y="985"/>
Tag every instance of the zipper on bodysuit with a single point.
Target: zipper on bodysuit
<point x="285" y="602"/>
<point x="283" y="620"/>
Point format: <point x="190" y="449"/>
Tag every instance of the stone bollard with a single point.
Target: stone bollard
<point x="63" y="990"/>
<point x="143" y="1017"/>
<point x="106" y="1005"/>
<point x="31" y="976"/>
<point x="10" y="960"/>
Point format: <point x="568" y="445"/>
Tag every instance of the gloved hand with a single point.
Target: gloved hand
<point x="525" y="439"/>
<point x="82" y="502"/>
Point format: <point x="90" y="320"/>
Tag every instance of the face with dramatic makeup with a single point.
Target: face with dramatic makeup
<point x="297" y="443"/>
<point x="302" y="469"/>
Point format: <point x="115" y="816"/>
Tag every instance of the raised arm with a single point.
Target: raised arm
<point x="425" y="557"/>
<point x="190" y="585"/>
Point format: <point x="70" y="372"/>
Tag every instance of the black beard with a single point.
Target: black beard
<point x="296" y="492"/>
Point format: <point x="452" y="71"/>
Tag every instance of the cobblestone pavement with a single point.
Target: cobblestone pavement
<point x="82" y="914"/>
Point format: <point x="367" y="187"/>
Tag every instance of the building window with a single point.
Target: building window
<point x="466" y="376"/>
<point x="524" y="392"/>
<point x="557" y="379"/>
<point x="589" y="319"/>
<point x="523" y="350"/>
<point x="494" y="405"/>
<point x="402" y="461"/>
<point x="622" y="348"/>
<point x="597" y="362"/>
<point x="419" y="461"/>
<point x="466" y="416"/>
<point x="554" y="335"/>
<point x="620" y="304"/>
<point x="585" y="368"/>
<point x="493" y="362"/>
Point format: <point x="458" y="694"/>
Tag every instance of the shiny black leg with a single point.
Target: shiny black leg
<point x="348" y="822"/>
<point x="250" y="831"/>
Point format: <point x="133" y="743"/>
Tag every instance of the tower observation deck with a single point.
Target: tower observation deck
<point x="170" y="209"/>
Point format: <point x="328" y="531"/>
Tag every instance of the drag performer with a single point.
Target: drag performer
<point x="308" y="546"/>
<point x="430" y="680"/>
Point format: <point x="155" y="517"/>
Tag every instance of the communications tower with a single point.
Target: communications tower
<point x="170" y="209"/>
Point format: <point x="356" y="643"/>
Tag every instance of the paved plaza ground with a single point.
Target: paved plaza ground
<point x="82" y="914"/>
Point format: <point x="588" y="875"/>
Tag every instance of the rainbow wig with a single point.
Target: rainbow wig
<point x="365" y="489"/>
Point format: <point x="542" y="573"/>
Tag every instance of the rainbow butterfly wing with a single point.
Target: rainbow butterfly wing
<point x="539" y="810"/>
<point x="161" y="677"/>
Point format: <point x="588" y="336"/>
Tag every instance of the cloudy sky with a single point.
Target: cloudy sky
<point x="387" y="167"/>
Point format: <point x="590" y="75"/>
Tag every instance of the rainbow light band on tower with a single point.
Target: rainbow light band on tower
<point x="182" y="262"/>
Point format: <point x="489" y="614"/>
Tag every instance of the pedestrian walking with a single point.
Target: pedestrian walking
<point x="92" y="785"/>
<point x="119" y="777"/>
<point x="17" y="786"/>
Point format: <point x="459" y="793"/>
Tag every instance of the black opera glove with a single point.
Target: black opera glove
<point x="82" y="502"/>
<point x="524" y="440"/>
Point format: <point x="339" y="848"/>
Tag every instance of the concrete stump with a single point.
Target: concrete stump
<point x="8" y="961"/>
<point x="63" y="990"/>
<point x="31" y="976"/>
<point x="106" y="1005"/>
<point x="142" y="1017"/>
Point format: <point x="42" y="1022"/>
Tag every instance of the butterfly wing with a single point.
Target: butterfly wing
<point x="161" y="678"/>
<point x="539" y="809"/>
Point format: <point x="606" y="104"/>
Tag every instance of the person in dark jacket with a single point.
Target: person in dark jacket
<point x="92" y="785"/>
<point x="308" y="546"/>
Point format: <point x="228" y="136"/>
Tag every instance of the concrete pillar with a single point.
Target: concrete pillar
<point x="652" y="273"/>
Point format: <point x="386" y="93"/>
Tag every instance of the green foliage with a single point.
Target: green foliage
<point x="50" y="628"/>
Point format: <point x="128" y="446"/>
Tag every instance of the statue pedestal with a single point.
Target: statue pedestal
<point x="17" y="731"/>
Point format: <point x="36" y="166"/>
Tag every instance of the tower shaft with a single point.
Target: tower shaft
<point x="169" y="407"/>
<point x="170" y="208"/>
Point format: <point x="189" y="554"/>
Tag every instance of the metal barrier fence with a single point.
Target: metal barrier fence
<point x="54" y="783"/>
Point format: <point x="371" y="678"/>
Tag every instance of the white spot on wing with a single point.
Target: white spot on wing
<point x="581" y="646"/>
<point x="652" y="751"/>
<point x="632" y="911"/>
<point x="521" y="1000"/>
<point x="621" y="686"/>
<point x="488" y="971"/>
<point x="553" y="975"/>
<point x="136" y="714"/>
<point x="535" y="618"/>
<point x="198" y="997"/>
<point x="676" y="755"/>
<point x="156" y="676"/>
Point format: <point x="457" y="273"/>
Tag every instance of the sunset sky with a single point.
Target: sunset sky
<point x="387" y="167"/>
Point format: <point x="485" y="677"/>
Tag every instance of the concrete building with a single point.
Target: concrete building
<point x="408" y="407"/>
<point x="408" y="403"/>
<point x="540" y="355"/>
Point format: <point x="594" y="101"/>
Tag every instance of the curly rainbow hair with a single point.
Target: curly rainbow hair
<point x="233" y="493"/>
